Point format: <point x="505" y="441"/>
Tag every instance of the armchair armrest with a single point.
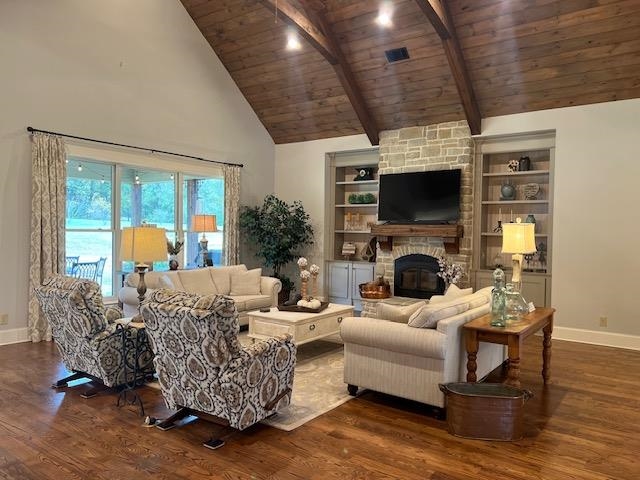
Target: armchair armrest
<point x="275" y="355"/>
<point x="393" y="336"/>
<point x="271" y="286"/>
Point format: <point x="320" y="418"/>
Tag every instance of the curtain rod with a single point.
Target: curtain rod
<point x="152" y="150"/>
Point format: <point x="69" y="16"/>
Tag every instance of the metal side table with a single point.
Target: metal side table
<point x="137" y="357"/>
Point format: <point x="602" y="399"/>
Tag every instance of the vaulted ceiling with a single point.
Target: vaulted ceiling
<point x="469" y="59"/>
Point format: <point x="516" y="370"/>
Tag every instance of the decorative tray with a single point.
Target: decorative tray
<point x="298" y="308"/>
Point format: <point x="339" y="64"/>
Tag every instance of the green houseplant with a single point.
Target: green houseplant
<point x="277" y="230"/>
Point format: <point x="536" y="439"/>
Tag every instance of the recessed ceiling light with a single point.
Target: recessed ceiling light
<point x="385" y="15"/>
<point x="384" y="19"/>
<point x="293" y="43"/>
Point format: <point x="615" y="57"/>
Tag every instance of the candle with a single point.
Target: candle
<point x="511" y="215"/>
<point x="500" y="214"/>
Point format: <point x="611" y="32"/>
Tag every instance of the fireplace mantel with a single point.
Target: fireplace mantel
<point x="450" y="234"/>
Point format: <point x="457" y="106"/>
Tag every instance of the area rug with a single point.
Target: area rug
<point x="318" y="384"/>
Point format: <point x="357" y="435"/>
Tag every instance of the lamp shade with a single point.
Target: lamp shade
<point x="518" y="237"/>
<point x="143" y="244"/>
<point x="203" y="223"/>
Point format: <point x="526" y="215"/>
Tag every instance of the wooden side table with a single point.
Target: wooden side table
<point x="480" y="330"/>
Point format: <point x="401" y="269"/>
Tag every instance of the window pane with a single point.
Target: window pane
<point x="89" y="207"/>
<point x="89" y="256"/>
<point x="147" y="196"/>
<point x="88" y="195"/>
<point x="202" y="195"/>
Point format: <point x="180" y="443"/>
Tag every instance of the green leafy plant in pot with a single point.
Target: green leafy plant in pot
<point x="277" y="230"/>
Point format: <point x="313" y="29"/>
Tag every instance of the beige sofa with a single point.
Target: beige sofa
<point x="248" y="288"/>
<point x="390" y="356"/>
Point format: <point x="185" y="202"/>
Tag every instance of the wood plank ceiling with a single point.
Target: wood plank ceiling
<point x="519" y="56"/>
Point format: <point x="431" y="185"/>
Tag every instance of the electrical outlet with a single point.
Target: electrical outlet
<point x="603" y="321"/>
<point x="4" y="319"/>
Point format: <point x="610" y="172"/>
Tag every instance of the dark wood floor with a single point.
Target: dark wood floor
<point x="584" y="425"/>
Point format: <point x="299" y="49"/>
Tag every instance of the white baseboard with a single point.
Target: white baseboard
<point x="15" y="335"/>
<point x="595" y="337"/>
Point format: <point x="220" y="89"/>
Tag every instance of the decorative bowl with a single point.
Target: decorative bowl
<point x="373" y="291"/>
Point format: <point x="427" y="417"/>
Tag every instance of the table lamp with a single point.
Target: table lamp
<point x="518" y="238"/>
<point x="140" y="245"/>
<point x="204" y="223"/>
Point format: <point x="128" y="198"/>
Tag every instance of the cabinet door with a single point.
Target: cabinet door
<point x="360" y="274"/>
<point x="534" y="290"/>
<point x="534" y="287"/>
<point x="339" y="282"/>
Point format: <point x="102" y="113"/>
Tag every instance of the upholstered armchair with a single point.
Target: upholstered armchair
<point x="84" y="331"/>
<point x="203" y="369"/>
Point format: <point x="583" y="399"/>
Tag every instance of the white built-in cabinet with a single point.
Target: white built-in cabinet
<point x="491" y="174"/>
<point x="344" y="280"/>
<point x="349" y="220"/>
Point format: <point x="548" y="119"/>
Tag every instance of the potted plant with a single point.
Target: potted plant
<point x="277" y="230"/>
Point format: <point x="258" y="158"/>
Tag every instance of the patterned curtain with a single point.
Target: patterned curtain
<point x="48" y="187"/>
<point x="231" y="212"/>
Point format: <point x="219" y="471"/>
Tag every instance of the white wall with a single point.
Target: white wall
<point x="595" y="224"/>
<point x="131" y="72"/>
<point x="300" y="175"/>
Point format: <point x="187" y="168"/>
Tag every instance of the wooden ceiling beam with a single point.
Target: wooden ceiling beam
<point x="304" y="26"/>
<point x="438" y="14"/>
<point x="313" y="26"/>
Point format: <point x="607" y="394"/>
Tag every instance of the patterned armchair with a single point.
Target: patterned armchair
<point x="84" y="331"/>
<point x="202" y="368"/>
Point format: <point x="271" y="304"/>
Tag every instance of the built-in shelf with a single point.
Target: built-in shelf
<point x="492" y="234"/>
<point x="358" y="182"/>
<point x="450" y="234"/>
<point x="516" y="174"/>
<point x="507" y="202"/>
<point x="357" y="205"/>
<point x="363" y="232"/>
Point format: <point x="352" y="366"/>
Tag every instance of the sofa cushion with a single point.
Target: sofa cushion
<point x="246" y="283"/>
<point x="197" y="281"/>
<point x="245" y="303"/>
<point x="429" y="315"/>
<point x="397" y="313"/>
<point x="165" y="282"/>
<point x="221" y="276"/>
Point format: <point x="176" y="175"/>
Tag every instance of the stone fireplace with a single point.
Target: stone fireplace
<point x="415" y="149"/>
<point x="415" y="276"/>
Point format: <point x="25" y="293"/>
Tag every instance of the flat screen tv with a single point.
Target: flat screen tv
<point x="431" y="197"/>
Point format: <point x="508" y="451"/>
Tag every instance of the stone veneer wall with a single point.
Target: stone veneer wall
<point x="434" y="147"/>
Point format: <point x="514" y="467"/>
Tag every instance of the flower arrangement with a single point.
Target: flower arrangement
<point x="451" y="273"/>
<point x="513" y="165"/>
<point x="174" y="249"/>
<point x="305" y="275"/>
<point x="312" y="273"/>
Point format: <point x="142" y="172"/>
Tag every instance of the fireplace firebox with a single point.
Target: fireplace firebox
<point x="415" y="276"/>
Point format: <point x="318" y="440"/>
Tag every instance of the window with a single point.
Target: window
<point x="89" y="235"/>
<point x="201" y="195"/>
<point x="105" y="196"/>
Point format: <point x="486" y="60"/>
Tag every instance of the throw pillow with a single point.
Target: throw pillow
<point x="477" y="300"/>
<point x="452" y="292"/>
<point x="397" y="313"/>
<point x="246" y="283"/>
<point x="437" y="299"/>
<point x="455" y="292"/>
<point x="429" y="315"/>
